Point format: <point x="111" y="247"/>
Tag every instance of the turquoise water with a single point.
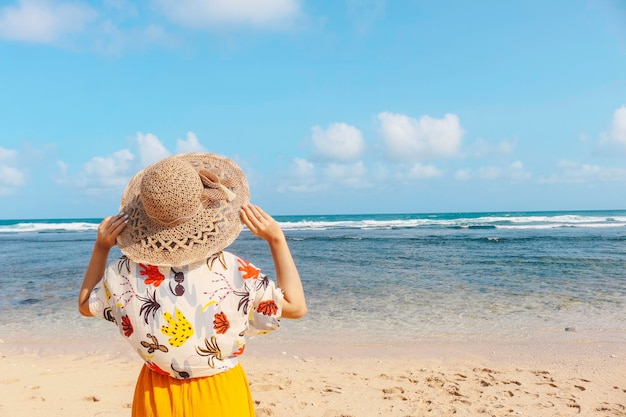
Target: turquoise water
<point x="372" y="278"/>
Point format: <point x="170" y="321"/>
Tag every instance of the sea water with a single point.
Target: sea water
<point x="369" y="278"/>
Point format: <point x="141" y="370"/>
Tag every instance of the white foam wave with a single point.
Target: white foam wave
<point x="504" y="221"/>
<point x="498" y="222"/>
<point x="561" y="225"/>
<point x="28" y="227"/>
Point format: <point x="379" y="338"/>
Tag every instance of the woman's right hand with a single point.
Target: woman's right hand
<point x="109" y="229"/>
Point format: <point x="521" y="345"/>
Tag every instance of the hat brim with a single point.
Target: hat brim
<point x="210" y="230"/>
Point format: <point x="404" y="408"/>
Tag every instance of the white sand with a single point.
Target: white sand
<point x="537" y="378"/>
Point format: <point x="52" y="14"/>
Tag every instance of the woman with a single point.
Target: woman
<point x="182" y="301"/>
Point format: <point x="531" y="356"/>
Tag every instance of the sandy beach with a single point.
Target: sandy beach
<point x="535" y="378"/>
<point x="409" y="321"/>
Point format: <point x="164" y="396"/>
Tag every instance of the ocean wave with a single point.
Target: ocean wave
<point x="464" y="223"/>
<point x="460" y="221"/>
<point x="563" y="225"/>
<point x="43" y="227"/>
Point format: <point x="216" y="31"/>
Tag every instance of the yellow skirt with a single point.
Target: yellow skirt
<point x="221" y="395"/>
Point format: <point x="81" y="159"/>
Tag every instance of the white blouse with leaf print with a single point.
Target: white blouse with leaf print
<point x="191" y="321"/>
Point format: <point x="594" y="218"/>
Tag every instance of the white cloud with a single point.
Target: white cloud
<point x="351" y="175"/>
<point x="489" y="173"/>
<point x="43" y="21"/>
<point x="484" y="147"/>
<point x="296" y="188"/>
<point x="574" y="172"/>
<point x="108" y="172"/>
<point x="614" y="141"/>
<point x="7" y="155"/>
<point x="588" y="171"/>
<point x="110" y="38"/>
<point x="463" y="174"/>
<point x="618" y="129"/>
<point x="11" y="176"/>
<point x="302" y="178"/>
<point x="411" y="139"/>
<point x="114" y="171"/>
<point x="420" y="171"/>
<point x="100" y="175"/>
<point x="192" y="144"/>
<point x="151" y="149"/>
<point x="210" y="13"/>
<point x="303" y="168"/>
<point x="114" y="26"/>
<point x="63" y="167"/>
<point x="340" y="142"/>
<point x="73" y="23"/>
<point x="514" y="171"/>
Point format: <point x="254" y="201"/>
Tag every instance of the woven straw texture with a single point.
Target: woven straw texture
<point x="183" y="209"/>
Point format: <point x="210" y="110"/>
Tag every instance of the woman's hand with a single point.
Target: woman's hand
<point x="264" y="226"/>
<point x="261" y="224"/>
<point x="109" y="229"/>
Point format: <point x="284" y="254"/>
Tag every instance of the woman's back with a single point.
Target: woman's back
<point x="189" y="321"/>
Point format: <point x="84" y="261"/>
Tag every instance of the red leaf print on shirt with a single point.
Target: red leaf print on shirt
<point x="249" y="271"/>
<point x="127" y="326"/>
<point x="269" y="308"/>
<point x="152" y="274"/>
<point x="221" y="324"/>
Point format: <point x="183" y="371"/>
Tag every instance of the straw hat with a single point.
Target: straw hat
<point x="183" y="209"/>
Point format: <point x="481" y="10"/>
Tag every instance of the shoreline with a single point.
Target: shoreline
<point x="340" y="345"/>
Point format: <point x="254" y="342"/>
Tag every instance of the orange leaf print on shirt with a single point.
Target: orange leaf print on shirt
<point x="154" y="367"/>
<point x="152" y="274"/>
<point x="268" y="308"/>
<point x="220" y="323"/>
<point x="249" y="271"/>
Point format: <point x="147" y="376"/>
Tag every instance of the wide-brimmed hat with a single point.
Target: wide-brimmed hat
<point x="183" y="209"/>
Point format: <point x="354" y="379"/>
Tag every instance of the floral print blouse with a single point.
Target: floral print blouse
<point x="191" y="321"/>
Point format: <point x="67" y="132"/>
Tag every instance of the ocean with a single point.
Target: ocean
<point x="379" y="279"/>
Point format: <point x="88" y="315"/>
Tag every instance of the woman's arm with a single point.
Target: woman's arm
<point x="108" y="230"/>
<point x="264" y="226"/>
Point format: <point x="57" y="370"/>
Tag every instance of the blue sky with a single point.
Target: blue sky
<point x="330" y="107"/>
